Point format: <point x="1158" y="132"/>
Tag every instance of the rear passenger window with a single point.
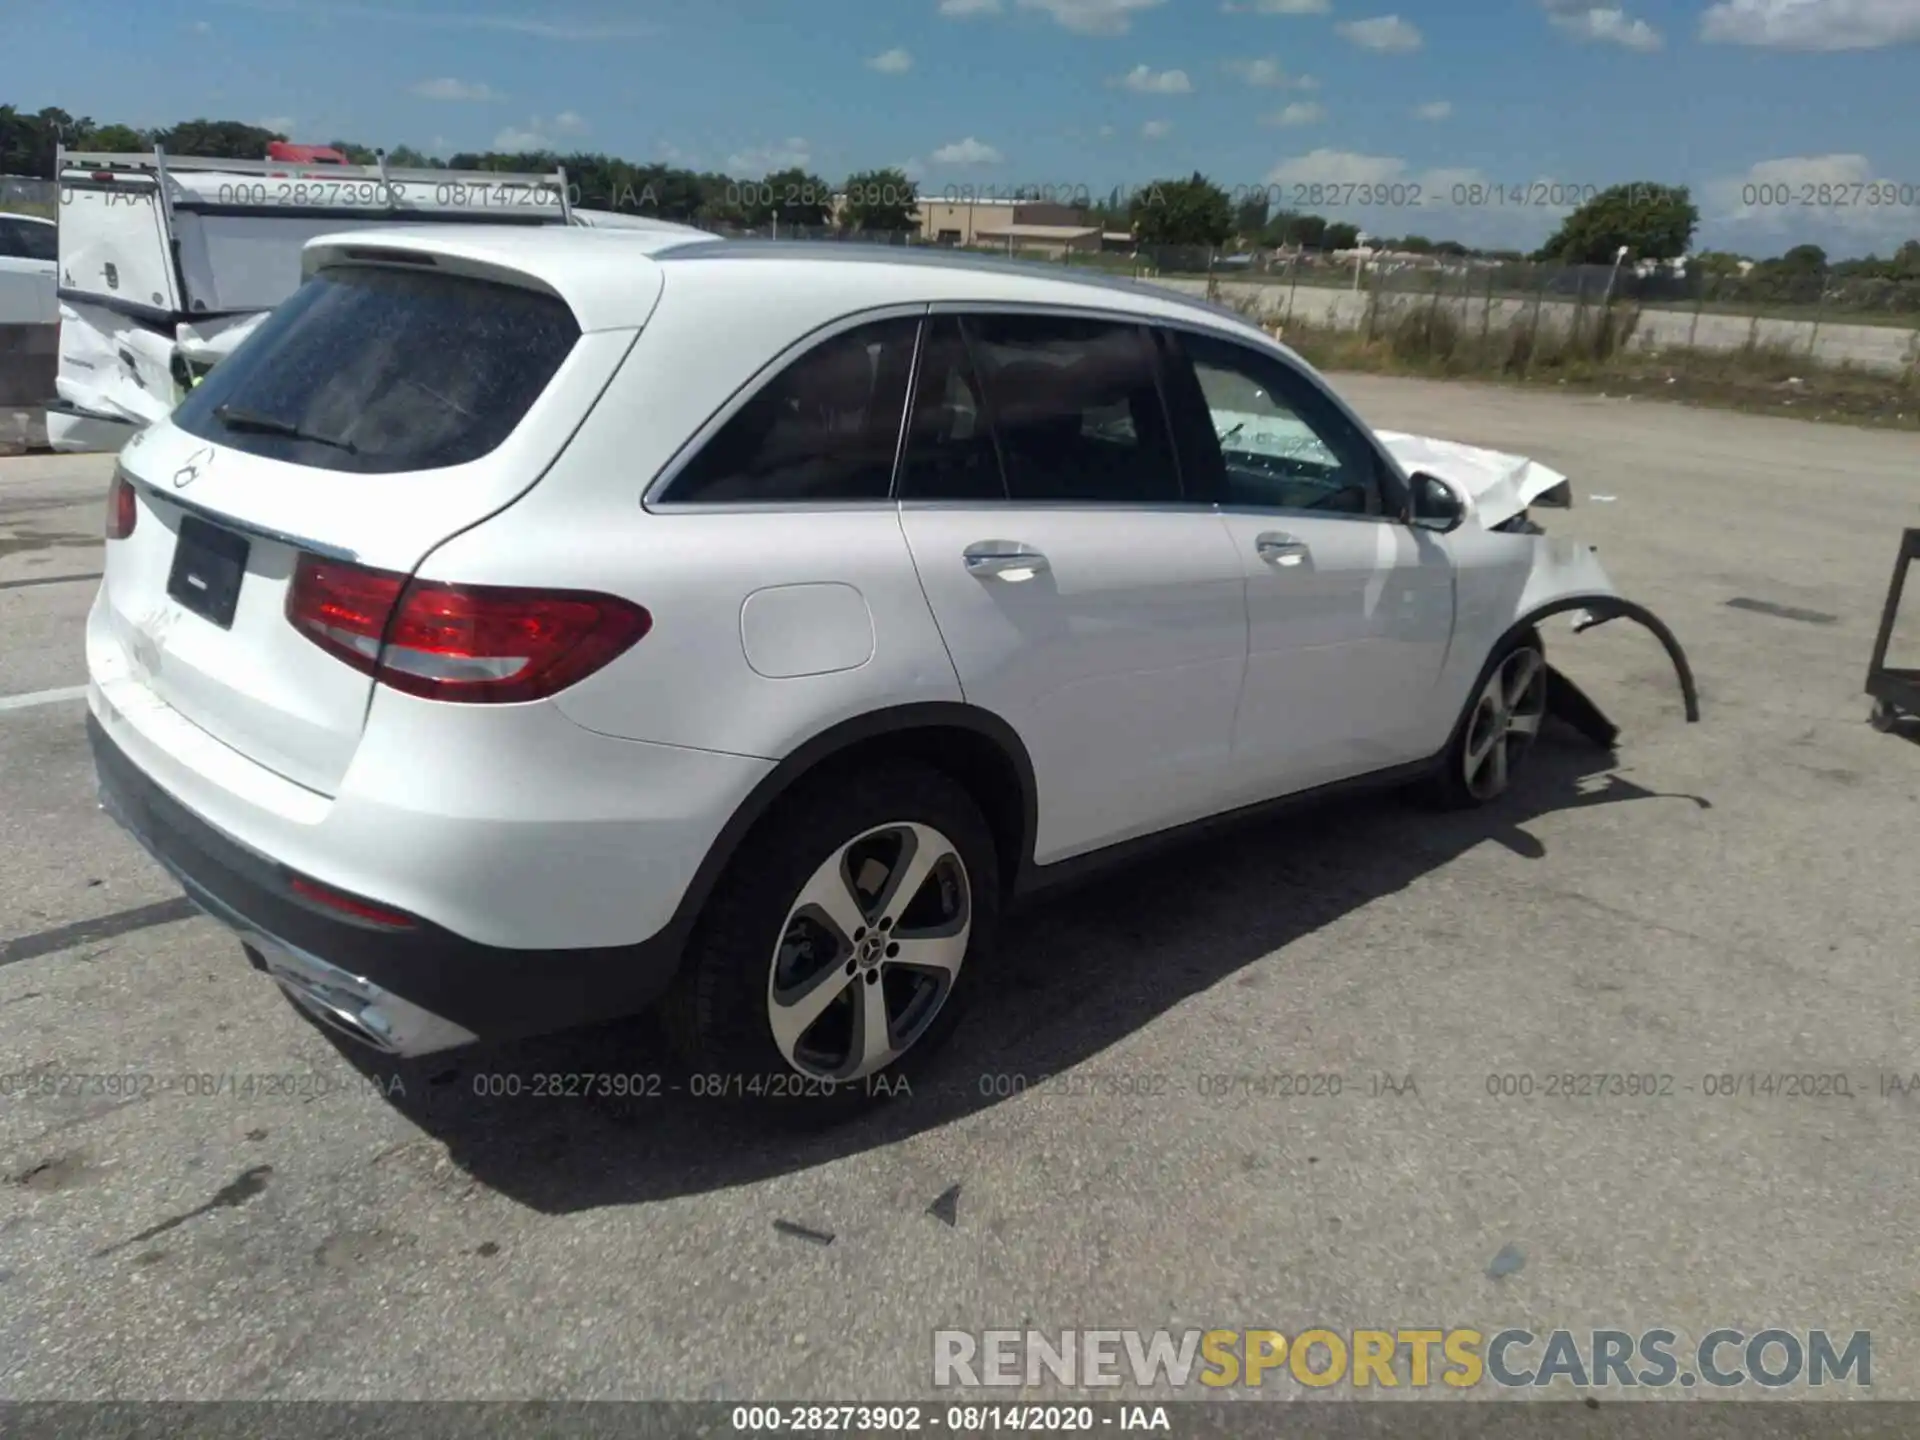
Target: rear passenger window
<point x="1075" y="406"/>
<point x="826" y="428"/>
<point x="374" y="370"/>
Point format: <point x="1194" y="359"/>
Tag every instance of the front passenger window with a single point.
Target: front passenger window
<point x="1282" y="444"/>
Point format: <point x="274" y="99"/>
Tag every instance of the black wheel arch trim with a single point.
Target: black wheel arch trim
<point x="840" y="740"/>
<point x="1603" y="608"/>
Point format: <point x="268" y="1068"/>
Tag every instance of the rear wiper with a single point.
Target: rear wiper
<point x="254" y="421"/>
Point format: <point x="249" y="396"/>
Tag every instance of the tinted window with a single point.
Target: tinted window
<point x="1075" y="406"/>
<point x="27" y="240"/>
<point x="1273" y="439"/>
<point x="825" y="428"/>
<point x="950" y="453"/>
<point x="382" y="370"/>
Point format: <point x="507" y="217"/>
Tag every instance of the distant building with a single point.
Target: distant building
<point x="1022" y="226"/>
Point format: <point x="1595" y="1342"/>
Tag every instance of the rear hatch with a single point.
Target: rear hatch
<point x="391" y="403"/>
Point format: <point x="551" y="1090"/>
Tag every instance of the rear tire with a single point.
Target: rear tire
<point x="1495" y="734"/>
<point x="811" y="985"/>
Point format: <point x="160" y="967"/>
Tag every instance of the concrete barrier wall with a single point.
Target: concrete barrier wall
<point x="1887" y="349"/>
<point x="29" y="356"/>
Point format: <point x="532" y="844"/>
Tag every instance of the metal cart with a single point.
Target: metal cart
<point x="1895" y="691"/>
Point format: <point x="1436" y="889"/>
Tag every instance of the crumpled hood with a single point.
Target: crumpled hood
<point x="1501" y="486"/>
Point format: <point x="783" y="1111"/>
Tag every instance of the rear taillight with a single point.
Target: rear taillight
<point x="477" y="643"/>
<point x="123" y="507"/>
<point x="351" y="905"/>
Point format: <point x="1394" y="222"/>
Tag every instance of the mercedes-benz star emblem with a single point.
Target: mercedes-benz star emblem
<point x="195" y="467"/>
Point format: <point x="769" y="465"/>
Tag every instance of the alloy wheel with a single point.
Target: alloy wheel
<point x="869" y="952"/>
<point x="1506" y="718"/>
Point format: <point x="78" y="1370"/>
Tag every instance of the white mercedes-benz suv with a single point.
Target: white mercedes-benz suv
<point x="522" y="629"/>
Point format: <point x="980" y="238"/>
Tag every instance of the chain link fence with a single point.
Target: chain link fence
<point x="24" y="195"/>
<point x="1473" y="315"/>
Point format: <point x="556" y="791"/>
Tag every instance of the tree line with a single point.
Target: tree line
<point x="1649" y="221"/>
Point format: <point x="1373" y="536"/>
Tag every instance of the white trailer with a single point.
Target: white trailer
<point x="166" y="263"/>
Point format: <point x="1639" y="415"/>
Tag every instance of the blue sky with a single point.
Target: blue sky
<point x="1083" y="94"/>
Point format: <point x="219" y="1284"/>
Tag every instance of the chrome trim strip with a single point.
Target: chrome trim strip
<point x="245" y="527"/>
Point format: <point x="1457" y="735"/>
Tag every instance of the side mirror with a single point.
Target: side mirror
<point x="1437" y="506"/>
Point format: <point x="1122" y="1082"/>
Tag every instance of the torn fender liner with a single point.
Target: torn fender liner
<point x="1568" y="702"/>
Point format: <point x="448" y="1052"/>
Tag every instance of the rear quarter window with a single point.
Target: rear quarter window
<point x="374" y="370"/>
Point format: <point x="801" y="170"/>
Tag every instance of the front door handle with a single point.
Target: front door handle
<point x="1003" y="560"/>
<point x="1279" y="548"/>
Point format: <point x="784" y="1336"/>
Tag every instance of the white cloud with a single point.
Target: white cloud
<point x="1608" y="24"/>
<point x="1791" y="196"/>
<point x="793" y="153"/>
<point x="448" y="88"/>
<point x="1156" y="129"/>
<point x="967" y="152"/>
<point x="541" y="134"/>
<point x="1434" y="110"/>
<point x="1383" y="32"/>
<point x="1106" y="132"/>
<point x="201" y="27"/>
<point x="1812" y="24"/>
<point x="912" y="168"/>
<point x="891" y="62"/>
<point x="1269" y="74"/>
<point x="541" y="27"/>
<point x="1275" y="7"/>
<point x="1092" y="17"/>
<point x="1301" y="112"/>
<point x="1143" y="80"/>
<point x="961" y="9"/>
<point x="281" y="124"/>
<point x="1340" y="169"/>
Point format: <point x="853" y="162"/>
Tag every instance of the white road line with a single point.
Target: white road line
<point x="42" y="697"/>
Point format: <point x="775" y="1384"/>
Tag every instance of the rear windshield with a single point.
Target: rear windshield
<point x="373" y="370"/>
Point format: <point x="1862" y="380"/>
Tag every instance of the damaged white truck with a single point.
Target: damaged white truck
<point x="167" y="262"/>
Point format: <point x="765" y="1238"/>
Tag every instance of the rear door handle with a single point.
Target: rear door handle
<point x="1279" y="548"/>
<point x="1003" y="560"/>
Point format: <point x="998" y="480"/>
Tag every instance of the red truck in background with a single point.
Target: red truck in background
<point x="304" y="154"/>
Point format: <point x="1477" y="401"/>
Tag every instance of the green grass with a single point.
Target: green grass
<point x="1593" y="354"/>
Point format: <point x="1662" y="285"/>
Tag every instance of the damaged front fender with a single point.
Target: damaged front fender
<point x="1569" y="702"/>
<point x="1511" y="577"/>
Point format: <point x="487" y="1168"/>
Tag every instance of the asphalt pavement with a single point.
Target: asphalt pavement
<point x="250" y="1212"/>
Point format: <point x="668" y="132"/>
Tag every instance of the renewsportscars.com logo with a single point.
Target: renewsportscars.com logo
<point x="1399" y="1358"/>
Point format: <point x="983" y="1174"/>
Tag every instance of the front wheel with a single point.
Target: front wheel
<point x="1498" y="730"/>
<point x="834" y="958"/>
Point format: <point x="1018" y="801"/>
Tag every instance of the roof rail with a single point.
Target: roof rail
<point x="65" y="159"/>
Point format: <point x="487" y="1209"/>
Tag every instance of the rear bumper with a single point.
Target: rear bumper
<point x="405" y="992"/>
